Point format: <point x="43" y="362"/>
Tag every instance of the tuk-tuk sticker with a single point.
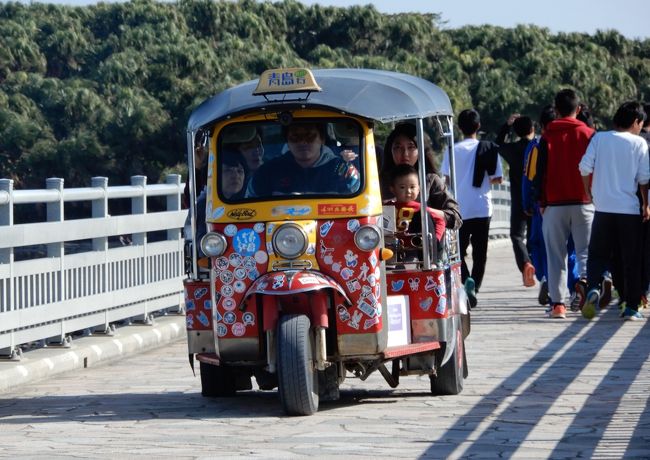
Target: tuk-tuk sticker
<point x="354" y="321"/>
<point x="248" y="318"/>
<point x="218" y="213"/>
<point x="221" y="263"/>
<point x="240" y="273"/>
<point x="242" y="213"/>
<point x="226" y="277"/>
<point x="441" y="308"/>
<point x="344" y="315"/>
<point x="200" y="293"/>
<point x="367" y="309"/>
<point x="189" y="321"/>
<point x="311" y="249"/>
<point x="336" y="267"/>
<point x="353" y="225"/>
<point x="253" y="275"/>
<point x="258" y="227"/>
<point x="203" y="319"/>
<point x="414" y="284"/>
<point x="219" y="317"/>
<point x="246" y="242"/>
<point x="347" y="273"/>
<point x="373" y="260"/>
<point x="249" y="263"/>
<point x="372" y="280"/>
<point x="367" y="324"/>
<point x="353" y="285"/>
<point x="261" y="257"/>
<point x="189" y="305"/>
<point x="337" y="209"/>
<point x="325" y="228"/>
<point x="228" y="303"/>
<point x="350" y="258"/>
<point x="238" y="329"/>
<point x="207" y="305"/>
<point x="293" y="211"/>
<point x="308" y="280"/>
<point x="426" y="304"/>
<point x="227" y="290"/>
<point x="230" y="230"/>
<point x="229" y="317"/>
<point x="239" y="286"/>
<point x="235" y="259"/>
<point x="222" y="330"/>
<point x="363" y="271"/>
<point x="270" y="228"/>
<point x="278" y="281"/>
<point x="396" y="285"/>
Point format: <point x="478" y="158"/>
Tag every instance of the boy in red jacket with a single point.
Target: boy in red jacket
<point x="566" y="207"/>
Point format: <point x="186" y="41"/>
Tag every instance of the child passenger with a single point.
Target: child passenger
<point x="405" y="185"/>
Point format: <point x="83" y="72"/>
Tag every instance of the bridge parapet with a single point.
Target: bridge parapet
<point x="58" y="276"/>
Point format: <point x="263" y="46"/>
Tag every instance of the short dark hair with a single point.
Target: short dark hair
<point x="548" y="115"/>
<point x="402" y="171"/>
<point x="469" y="121"/>
<point x="629" y="113"/>
<point x="320" y="127"/>
<point x="566" y="102"/>
<point x="522" y="126"/>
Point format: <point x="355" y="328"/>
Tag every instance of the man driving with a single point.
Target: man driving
<point x="307" y="168"/>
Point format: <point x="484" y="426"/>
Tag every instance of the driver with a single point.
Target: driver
<point x="308" y="167"/>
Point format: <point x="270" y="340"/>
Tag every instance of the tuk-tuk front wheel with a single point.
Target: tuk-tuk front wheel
<point x="297" y="374"/>
<point x="450" y="377"/>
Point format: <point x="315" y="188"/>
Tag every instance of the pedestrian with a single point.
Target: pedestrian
<point x="520" y="223"/>
<point x="613" y="168"/>
<point x="477" y="167"/>
<point x="566" y="207"/>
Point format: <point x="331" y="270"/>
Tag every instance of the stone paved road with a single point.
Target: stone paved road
<point x="538" y="388"/>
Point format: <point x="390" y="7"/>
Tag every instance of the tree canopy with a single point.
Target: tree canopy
<point x="106" y="89"/>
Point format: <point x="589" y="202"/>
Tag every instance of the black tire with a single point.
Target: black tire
<point x="217" y="381"/>
<point x="297" y="375"/>
<point x="450" y="378"/>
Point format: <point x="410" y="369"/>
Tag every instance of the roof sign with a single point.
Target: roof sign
<point x="289" y="80"/>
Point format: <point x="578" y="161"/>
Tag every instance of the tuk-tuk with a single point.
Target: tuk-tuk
<point x="294" y="264"/>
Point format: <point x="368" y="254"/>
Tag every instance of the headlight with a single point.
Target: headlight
<point x="289" y="241"/>
<point x="213" y="244"/>
<point x="367" y="238"/>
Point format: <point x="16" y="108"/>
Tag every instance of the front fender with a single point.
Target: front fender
<point x="292" y="282"/>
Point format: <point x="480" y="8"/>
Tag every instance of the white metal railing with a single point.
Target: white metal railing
<point x="55" y="291"/>
<point x="500" y="222"/>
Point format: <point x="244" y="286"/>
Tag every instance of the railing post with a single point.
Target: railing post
<point x="7" y="257"/>
<point x="56" y="213"/>
<point x="174" y="204"/>
<point x="100" y="210"/>
<point x="139" y="206"/>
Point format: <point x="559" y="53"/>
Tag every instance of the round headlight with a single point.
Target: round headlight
<point x="289" y="241"/>
<point x="213" y="244"/>
<point x="367" y="238"/>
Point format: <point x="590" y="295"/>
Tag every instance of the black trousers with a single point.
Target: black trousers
<point x="621" y="233"/>
<point x="520" y="225"/>
<point x="477" y="232"/>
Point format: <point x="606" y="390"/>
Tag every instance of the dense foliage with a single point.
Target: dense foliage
<point x="107" y="89"/>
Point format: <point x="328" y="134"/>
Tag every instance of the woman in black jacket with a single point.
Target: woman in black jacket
<point x="401" y="148"/>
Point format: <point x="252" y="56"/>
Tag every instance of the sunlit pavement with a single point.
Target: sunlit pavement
<point x="538" y="388"/>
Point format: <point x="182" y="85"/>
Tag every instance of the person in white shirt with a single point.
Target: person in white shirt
<point x="614" y="166"/>
<point x="477" y="167"/>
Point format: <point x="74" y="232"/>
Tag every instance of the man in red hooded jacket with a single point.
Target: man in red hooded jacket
<point x="566" y="207"/>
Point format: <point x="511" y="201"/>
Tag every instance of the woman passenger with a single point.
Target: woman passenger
<point x="234" y="171"/>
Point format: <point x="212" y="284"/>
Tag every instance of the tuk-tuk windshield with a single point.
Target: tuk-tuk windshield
<point x="315" y="157"/>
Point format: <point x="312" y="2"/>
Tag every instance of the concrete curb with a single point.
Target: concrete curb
<point x="90" y="351"/>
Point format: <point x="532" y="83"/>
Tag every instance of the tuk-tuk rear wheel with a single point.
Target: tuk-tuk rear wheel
<point x="297" y="374"/>
<point x="450" y="377"/>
